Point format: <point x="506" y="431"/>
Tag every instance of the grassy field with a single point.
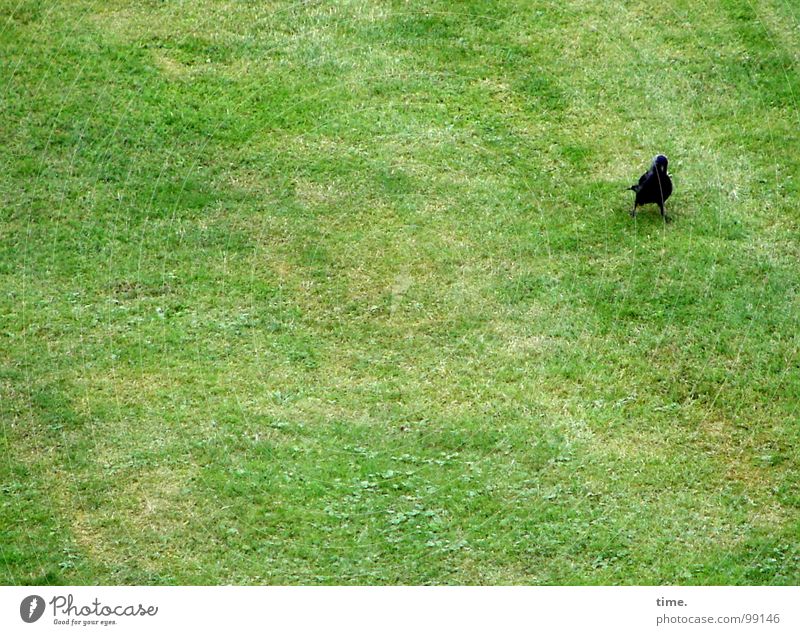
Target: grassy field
<point x="348" y="293"/>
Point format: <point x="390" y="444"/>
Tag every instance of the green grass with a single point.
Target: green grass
<point x="348" y="293"/>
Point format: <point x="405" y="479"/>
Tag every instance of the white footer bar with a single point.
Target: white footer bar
<point x="400" y="610"/>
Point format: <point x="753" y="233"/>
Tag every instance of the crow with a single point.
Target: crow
<point x="654" y="186"/>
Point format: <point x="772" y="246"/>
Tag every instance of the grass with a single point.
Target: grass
<point x="347" y="293"/>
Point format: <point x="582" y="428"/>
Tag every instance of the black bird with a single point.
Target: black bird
<point x="654" y="186"/>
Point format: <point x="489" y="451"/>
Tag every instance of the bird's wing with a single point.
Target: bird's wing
<point x="642" y="181"/>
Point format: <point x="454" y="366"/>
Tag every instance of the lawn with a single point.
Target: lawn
<point x="348" y="293"/>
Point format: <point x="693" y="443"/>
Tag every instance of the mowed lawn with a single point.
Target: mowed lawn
<point x="348" y="292"/>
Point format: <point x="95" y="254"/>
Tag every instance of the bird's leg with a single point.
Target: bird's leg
<point x="633" y="211"/>
<point x="666" y="218"/>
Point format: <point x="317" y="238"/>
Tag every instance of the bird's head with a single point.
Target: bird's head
<point x="660" y="163"/>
